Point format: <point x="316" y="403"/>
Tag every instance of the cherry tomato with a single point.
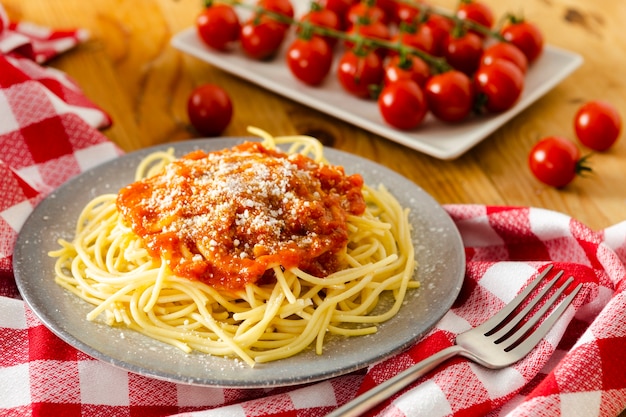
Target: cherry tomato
<point x="340" y="7"/>
<point x="411" y="67"/>
<point x="218" y="26"/>
<point x="441" y="28"/>
<point x="526" y="36"/>
<point x="420" y="37"/>
<point x="358" y="73"/>
<point x="283" y="7"/>
<point x="463" y="52"/>
<point x="322" y="17"/>
<point x="406" y="13"/>
<point x="449" y="96"/>
<point x="598" y="125"/>
<point x="209" y="109"/>
<point x="310" y="59"/>
<point x="499" y="84"/>
<point x="402" y="104"/>
<point x="556" y="161"/>
<point x="261" y="37"/>
<point x="507" y="51"/>
<point x="364" y="13"/>
<point x="476" y="12"/>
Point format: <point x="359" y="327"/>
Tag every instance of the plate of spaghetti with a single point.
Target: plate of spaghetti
<point x="239" y="262"/>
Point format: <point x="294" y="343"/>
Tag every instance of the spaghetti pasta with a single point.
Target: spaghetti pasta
<point x="261" y="317"/>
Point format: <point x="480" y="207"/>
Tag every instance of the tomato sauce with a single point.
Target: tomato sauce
<point x="226" y="217"/>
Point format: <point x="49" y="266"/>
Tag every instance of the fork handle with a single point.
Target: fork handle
<point x="381" y="392"/>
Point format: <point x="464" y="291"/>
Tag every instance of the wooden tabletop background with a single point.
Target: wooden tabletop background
<point x="129" y="68"/>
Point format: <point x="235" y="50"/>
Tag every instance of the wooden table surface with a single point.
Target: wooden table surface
<point x="130" y="69"/>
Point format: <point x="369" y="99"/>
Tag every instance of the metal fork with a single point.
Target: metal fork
<point x="502" y="340"/>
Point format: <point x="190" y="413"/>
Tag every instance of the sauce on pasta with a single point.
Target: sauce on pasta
<point x="227" y="217"/>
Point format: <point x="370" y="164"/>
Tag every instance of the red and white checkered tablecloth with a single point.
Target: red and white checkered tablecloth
<point x="48" y="133"/>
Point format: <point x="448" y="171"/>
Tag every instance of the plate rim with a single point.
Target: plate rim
<point x="51" y="321"/>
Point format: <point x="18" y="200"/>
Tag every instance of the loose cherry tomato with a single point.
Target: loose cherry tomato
<point x="476" y="12"/>
<point x="402" y="104"/>
<point x="357" y="73"/>
<point x="449" y="96"/>
<point x="526" y="36"/>
<point x="463" y="52"/>
<point x="261" y="37"/>
<point x="499" y="84"/>
<point x="325" y="18"/>
<point x="507" y="51"/>
<point x="598" y="125"/>
<point x="209" y="109"/>
<point x="218" y="26"/>
<point x="410" y="67"/>
<point x="556" y="161"/>
<point x="310" y="59"/>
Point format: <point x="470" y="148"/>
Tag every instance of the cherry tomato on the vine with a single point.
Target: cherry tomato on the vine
<point x="364" y="12"/>
<point x="209" y="109"/>
<point x="556" y="161"/>
<point x="402" y="104"/>
<point x="476" y="12"/>
<point x="357" y="72"/>
<point x="463" y="52"/>
<point x="441" y="28"/>
<point x="310" y="59"/>
<point x="418" y="37"/>
<point x="499" y="84"/>
<point x="218" y="26"/>
<point x="409" y="67"/>
<point x="283" y="7"/>
<point x="506" y="51"/>
<point x="322" y="17"/>
<point x="374" y="30"/>
<point x="526" y="36"/>
<point x="340" y="7"/>
<point x="598" y="125"/>
<point x="450" y="96"/>
<point x="261" y="37"/>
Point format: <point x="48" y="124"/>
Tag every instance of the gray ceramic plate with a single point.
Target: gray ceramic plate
<point x="438" y="248"/>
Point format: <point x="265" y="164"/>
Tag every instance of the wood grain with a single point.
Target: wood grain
<point x="129" y="68"/>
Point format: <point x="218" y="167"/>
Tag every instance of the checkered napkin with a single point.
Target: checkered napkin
<point x="48" y="134"/>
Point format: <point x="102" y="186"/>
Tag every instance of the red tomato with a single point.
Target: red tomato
<point x="325" y="18"/>
<point x="402" y="104"/>
<point x="463" y="52"/>
<point x="310" y="59"/>
<point x="441" y="28"/>
<point x="340" y="7"/>
<point x="527" y="37"/>
<point x="421" y="38"/>
<point x="358" y="73"/>
<point x="365" y="13"/>
<point x="507" y="51"/>
<point x="476" y="12"/>
<point x="283" y="7"/>
<point x="598" y="125"/>
<point x="410" y="67"/>
<point x="406" y="13"/>
<point x="500" y="84"/>
<point x="261" y="37"/>
<point x="449" y="96"/>
<point x="209" y="109"/>
<point x="373" y="30"/>
<point x="218" y="26"/>
<point x="556" y="161"/>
